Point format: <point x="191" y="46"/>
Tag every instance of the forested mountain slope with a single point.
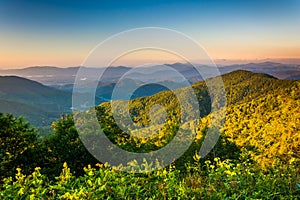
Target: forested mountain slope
<point x="262" y="116"/>
<point x="38" y="103"/>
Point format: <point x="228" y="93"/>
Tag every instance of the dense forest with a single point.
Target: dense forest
<point x="256" y="157"/>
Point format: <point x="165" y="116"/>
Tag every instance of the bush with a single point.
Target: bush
<point x="215" y="180"/>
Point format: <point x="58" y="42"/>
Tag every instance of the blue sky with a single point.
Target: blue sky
<point x="61" y="33"/>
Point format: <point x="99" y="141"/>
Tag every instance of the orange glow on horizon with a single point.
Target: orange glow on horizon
<point x="8" y="60"/>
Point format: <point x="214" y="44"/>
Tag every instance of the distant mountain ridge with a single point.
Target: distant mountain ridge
<point x="20" y="88"/>
<point x="43" y="104"/>
<point x="38" y="103"/>
<point x="278" y="70"/>
<point x="50" y="75"/>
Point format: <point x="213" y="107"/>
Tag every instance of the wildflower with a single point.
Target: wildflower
<point x="21" y="191"/>
<point x="90" y="173"/>
<point x="99" y="165"/>
<point x="207" y="162"/>
<point x="230" y="173"/>
<point x="164" y="172"/>
<point x="37" y="168"/>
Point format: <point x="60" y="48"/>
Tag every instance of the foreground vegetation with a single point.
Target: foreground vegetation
<point x="214" y="180"/>
<point x="257" y="155"/>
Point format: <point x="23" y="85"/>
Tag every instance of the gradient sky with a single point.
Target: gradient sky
<point x="61" y="33"/>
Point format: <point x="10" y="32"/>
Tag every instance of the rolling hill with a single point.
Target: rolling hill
<point x="262" y="117"/>
<point x="63" y="78"/>
<point x="38" y="103"/>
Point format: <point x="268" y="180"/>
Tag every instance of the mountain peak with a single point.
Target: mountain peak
<point x="242" y="74"/>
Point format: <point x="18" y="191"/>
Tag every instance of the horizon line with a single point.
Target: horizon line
<point x="218" y="61"/>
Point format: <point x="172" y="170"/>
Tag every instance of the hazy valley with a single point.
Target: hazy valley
<point x="41" y="104"/>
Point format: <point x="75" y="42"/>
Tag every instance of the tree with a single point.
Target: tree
<point x="64" y="145"/>
<point x="18" y="141"/>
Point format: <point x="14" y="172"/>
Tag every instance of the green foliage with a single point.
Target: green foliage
<point x="64" y="145"/>
<point x="17" y="145"/>
<point x="268" y="126"/>
<point x="21" y="147"/>
<point x="219" y="179"/>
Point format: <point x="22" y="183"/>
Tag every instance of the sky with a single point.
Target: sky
<point x="63" y="32"/>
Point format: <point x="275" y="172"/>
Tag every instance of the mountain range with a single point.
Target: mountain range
<point x="60" y="77"/>
<point x="48" y="93"/>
